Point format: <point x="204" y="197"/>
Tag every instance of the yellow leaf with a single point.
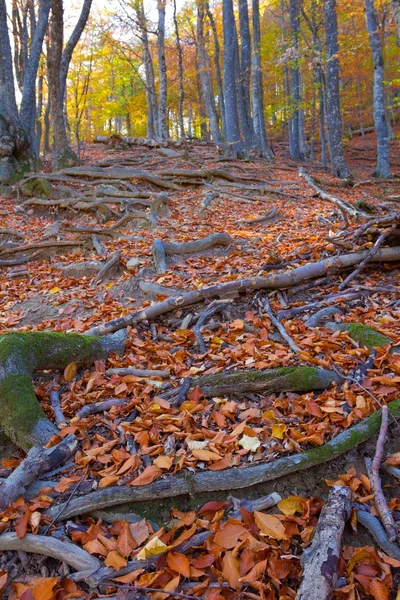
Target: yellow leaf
<point x="108" y="286"/>
<point x="163" y="462"/>
<point x="152" y="548"/>
<point x="278" y="431"/>
<point x="249" y="443"/>
<point x="70" y="371"/>
<point x="270" y="526"/>
<point x="291" y="505"/>
<point x="54" y="290"/>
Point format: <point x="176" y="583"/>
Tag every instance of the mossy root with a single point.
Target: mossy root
<point x="21" y="353"/>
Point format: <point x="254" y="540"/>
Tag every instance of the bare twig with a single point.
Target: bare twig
<point x="292" y="344"/>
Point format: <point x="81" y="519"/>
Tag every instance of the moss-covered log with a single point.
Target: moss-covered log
<point x="21" y="417"/>
<point x="230" y="479"/>
<point x="285" y="379"/>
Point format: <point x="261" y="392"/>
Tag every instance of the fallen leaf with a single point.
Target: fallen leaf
<point x="270" y="526"/>
<point x="149" y="474"/>
<point x="249" y="443"/>
<point x="179" y="563"/>
<point x="70" y="371"/>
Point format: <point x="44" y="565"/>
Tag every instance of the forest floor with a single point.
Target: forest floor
<point x="276" y="224"/>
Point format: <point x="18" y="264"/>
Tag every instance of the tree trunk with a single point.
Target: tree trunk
<point x="151" y="95"/>
<point x="381" y="126"/>
<point x="294" y="12"/>
<point x="217" y="66"/>
<point x="205" y="76"/>
<point x="16" y="152"/>
<point x="257" y="85"/>
<point x="234" y="144"/>
<point x="162" y="66"/>
<point x="180" y="77"/>
<point x="71" y="44"/>
<point x="395" y="4"/>
<point x="62" y="155"/>
<point x="245" y="71"/>
<point x="333" y="115"/>
<point x="28" y="102"/>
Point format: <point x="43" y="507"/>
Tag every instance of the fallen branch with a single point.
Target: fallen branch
<point x="375" y="479"/>
<point x="379" y="534"/>
<point x="157" y="289"/>
<point x="91" y="409"/>
<point x="233" y="478"/>
<point x="344" y="206"/>
<point x="321" y="559"/>
<point x="372" y="252"/>
<point x="55" y="402"/>
<point x="37" y="461"/>
<point x="291" y="343"/>
<point x="138" y="372"/>
<point x="72" y="554"/>
<point x="283" y="280"/>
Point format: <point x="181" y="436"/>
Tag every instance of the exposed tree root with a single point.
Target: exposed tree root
<point x="233" y="478"/>
<point x="345" y="207"/>
<point x="162" y="249"/>
<point x="283" y="280"/>
<point x="284" y="379"/>
<point x="37" y="461"/>
<point x="118" y="173"/>
<point x="40" y="246"/>
<point x="320" y="560"/>
<point x="21" y="417"/>
<point x="72" y="554"/>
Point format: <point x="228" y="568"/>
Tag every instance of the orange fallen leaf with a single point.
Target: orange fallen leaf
<point x="149" y="474"/>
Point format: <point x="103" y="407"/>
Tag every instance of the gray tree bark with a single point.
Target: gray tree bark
<point x="217" y="53"/>
<point x="71" y="44"/>
<point x="257" y="85"/>
<point x="16" y="150"/>
<point x="205" y="76"/>
<point x="234" y="143"/>
<point x="245" y="73"/>
<point x="28" y="102"/>
<point x="333" y="114"/>
<point x="180" y="76"/>
<point x="294" y="12"/>
<point x="62" y="155"/>
<point x="162" y="66"/>
<point x="381" y="125"/>
<point x="151" y="95"/>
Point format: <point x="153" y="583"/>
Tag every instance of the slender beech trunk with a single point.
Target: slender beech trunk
<point x="257" y="85"/>
<point x="62" y="155"/>
<point x="71" y="44"/>
<point x="245" y="68"/>
<point x="234" y="144"/>
<point x="205" y="76"/>
<point x="395" y="4"/>
<point x="151" y="95"/>
<point x="333" y="114"/>
<point x="202" y="107"/>
<point x="217" y="53"/>
<point x="180" y="77"/>
<point x="162" y="67"/>
<point x="381" y="126"/>
<point x="294" y="12"/>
